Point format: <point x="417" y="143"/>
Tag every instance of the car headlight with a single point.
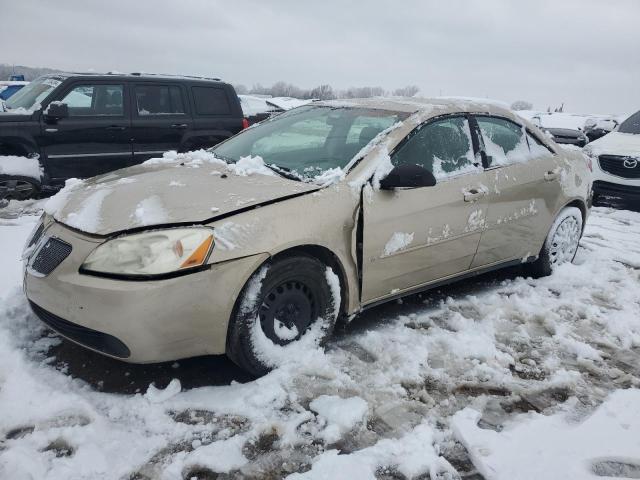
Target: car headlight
<point x="152" y="253"/>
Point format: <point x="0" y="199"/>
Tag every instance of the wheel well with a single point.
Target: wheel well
<point x="582" y="207"/>
<point x="327" y="257"/>
<point x="13" y="149"/>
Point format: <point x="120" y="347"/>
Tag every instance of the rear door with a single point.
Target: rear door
<point x="160" y="120"/>
<point x="524" y="191"/>
<point x="96" y="137"/>
<point x="413" y="237"/>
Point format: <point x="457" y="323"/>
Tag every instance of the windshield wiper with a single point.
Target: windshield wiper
<point x="284" y="172"/>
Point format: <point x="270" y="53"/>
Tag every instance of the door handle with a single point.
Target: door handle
<point x="473" y="194"/>
<point x="115" y="127"/>
<point x="551" y="176"/>
<point x="179" y="125"/>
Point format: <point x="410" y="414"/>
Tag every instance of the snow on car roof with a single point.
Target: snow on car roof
<point x="423" y="104"/>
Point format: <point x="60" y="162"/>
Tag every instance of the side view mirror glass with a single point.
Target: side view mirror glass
<point x="408" y="176"/>
<point x="57" y="110"/>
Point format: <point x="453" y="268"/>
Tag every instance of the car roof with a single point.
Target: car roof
<point x="437" y="105"/>
<point x="132" y="76"/>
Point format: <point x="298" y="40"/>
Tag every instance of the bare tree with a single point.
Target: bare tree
<point x="322" y="92"/>
<point x="408" y="91"/>
<point x="241" y="89"/>
<point x="521" y="105"/>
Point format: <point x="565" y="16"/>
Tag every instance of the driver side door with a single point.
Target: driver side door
<point x="416" y="236"/>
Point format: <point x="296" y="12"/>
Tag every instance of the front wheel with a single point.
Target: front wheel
<point x="286" y="307"/>
<point x="18" y="188"/>
<point x="561" y="244"/>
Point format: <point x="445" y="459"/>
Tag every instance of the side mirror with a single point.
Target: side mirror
<point x="56" y="111"/>
<point x="408" y="176"/>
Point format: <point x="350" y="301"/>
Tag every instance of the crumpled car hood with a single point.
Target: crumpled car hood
<point x="165" y="193"/>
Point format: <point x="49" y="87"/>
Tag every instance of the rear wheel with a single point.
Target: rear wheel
<point x="285" y="304"/>
<point x="18" y="188"/>
<point x="561" y="244"/>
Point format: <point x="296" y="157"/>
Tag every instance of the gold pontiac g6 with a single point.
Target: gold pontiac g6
<point x="256" y="247"/>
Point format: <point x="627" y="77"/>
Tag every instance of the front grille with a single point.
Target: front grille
<point x="625" y="167"/>
<point x="99" y="341"/>
<point x="52" y="253"/>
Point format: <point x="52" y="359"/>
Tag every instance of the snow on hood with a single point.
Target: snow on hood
<point x="177" y="188"/>
<point x="615" y="143"/>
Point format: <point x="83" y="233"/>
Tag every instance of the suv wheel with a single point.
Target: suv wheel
<point x="18" y="188"/>
<point x="286" y="304"/>
<point x="562" y="242"/>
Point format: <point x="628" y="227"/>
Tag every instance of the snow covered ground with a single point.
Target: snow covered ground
<point x="501" y="377"/>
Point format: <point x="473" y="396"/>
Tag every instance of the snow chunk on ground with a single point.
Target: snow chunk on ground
<point x="342" y="414"/>
<point x="399" y="241"/>
<point x="20" y="166"/>
<point x="535" y="446"/>
<point x="412" y="455"/>
<point x="158" y="395"/>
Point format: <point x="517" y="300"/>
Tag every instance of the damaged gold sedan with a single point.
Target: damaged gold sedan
<point x="258" y="246"/>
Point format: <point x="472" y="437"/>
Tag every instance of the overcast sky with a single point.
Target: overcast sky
<point x="585" y="53"/>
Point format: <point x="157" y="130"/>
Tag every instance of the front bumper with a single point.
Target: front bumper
<point x="617" y="190"/>
<point x="137" y="321"/>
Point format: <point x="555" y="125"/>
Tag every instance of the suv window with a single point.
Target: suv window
<point x="210" y="101"/>
<point x="159" y="100"/>
<point x="631" y="124"/>
<point x="443" y="147"/>
<point x="504" y="141"/>
<point x="95" y="100"/>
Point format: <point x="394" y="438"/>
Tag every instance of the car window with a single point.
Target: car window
<point x="631" y="124"/>
<point x="309" y="140"/>
<point x="159" y="100"/>
<point x="365" y="128"/>
<point x="443" y="147"/>
<point x="504" y="141"/>
<point x="95" y="100"/>
<point x="210" y="101"/>
<point x="536" y="147"/>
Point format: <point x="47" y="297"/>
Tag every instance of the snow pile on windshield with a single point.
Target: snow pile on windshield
<point x="21" y="166"/>
<point x="245" y="166"/>
<point x="249" y="166"/>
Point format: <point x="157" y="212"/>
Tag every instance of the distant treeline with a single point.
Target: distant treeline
<point x="324" y="92"/>
<point x="278" y="89"/>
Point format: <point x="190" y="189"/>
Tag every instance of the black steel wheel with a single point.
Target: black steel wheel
<point x="285" y="300"/>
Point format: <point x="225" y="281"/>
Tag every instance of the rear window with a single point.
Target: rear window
<point x="210" y="101"/>
<point x="159" y="100"/>
<point x="631" y="124"/>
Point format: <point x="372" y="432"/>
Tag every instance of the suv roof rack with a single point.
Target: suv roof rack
<point x="141" y="74"/>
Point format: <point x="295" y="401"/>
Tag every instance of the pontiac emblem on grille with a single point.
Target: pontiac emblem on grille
<point x="630" y="162"/>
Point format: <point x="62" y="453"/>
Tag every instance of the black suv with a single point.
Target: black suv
<point x="82" y="125"/>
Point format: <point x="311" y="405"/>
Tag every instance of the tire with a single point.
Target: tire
<point x="298" y="290"/>
<point x="561" y="244"/>
<point x="15" y="187"/>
